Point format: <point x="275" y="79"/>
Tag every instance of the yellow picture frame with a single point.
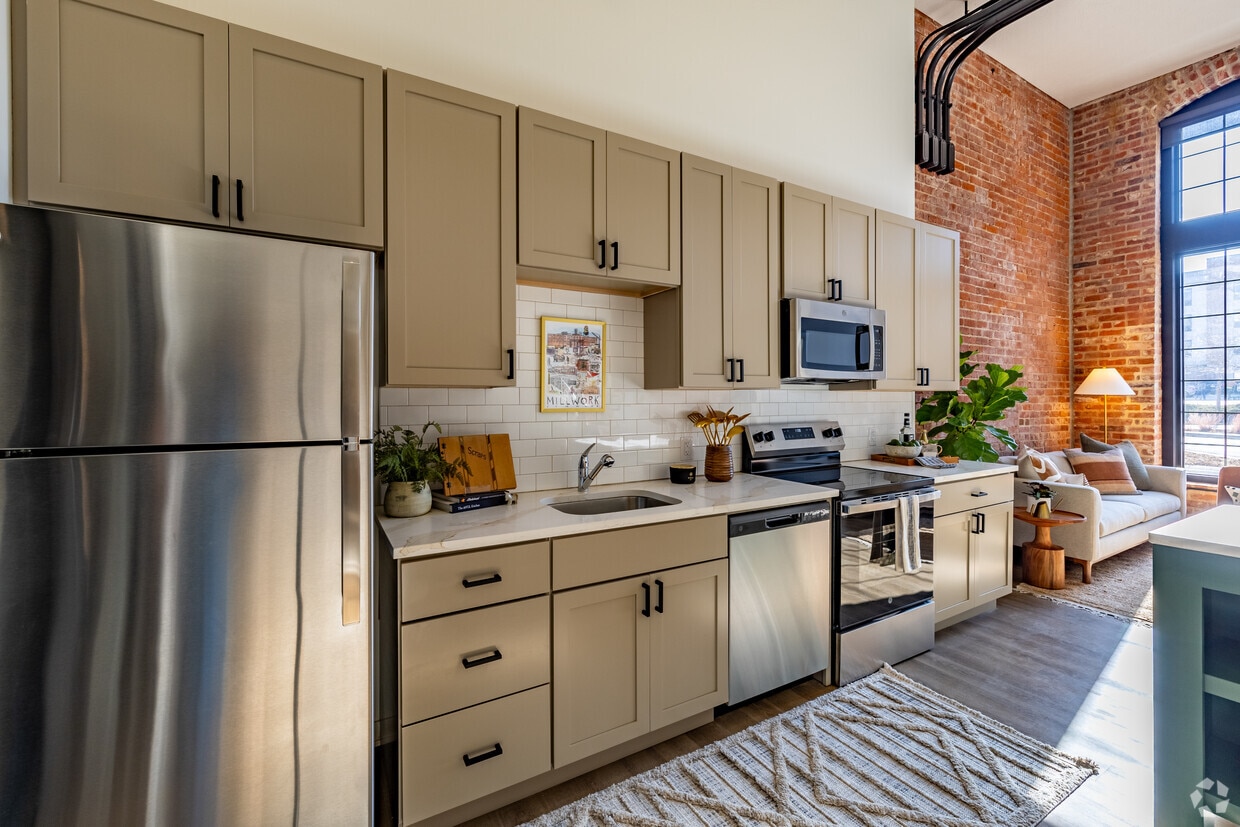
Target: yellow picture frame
<point x="573" y="353"/>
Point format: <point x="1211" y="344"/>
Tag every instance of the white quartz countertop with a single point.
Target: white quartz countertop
<point x="530" y="519"/>
<point x="1214" y="531"/>
<point x="965" y="469"/>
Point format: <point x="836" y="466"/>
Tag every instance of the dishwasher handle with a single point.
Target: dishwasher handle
<point x="756" y="522"/>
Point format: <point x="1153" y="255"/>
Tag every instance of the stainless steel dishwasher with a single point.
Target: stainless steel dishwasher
<point x="779" y="597"/>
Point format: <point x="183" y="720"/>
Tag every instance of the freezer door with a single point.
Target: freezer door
<point x="127" y="333"/>
<point x="174" y="646"/>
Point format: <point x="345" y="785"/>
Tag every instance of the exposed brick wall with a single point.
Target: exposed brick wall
<point x="1009" y="199"/>
<point x="1115" y="257"/>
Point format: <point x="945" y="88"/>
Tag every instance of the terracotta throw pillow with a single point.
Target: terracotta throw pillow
<point x="1136" y="468"/>
<point x="1031" y="465"/>
<point x="1105" y="471"/>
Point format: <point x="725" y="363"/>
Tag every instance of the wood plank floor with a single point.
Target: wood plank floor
<point x="1077" y="680"/>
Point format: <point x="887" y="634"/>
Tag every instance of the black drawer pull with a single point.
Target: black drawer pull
<point x="240" y="201"/>
<point x="511" y="363"/>
<point x="602" y="254"/>
<point x="980" y="494"/>
<point x="658" y="606"/>
<point x="470" y="661"/>
<point x="646" y="609"/>
<point x="215" y="196"/>
<point x="471" y="758"/>
<point x="484" y="580"/>
<point x="615" y="255"/>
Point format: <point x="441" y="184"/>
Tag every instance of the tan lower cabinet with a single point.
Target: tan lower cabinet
<point x="634" y="655"/>
<point x="972" y="545"/>
<point x="451" y="236"/>
<point x="721" y="329"/>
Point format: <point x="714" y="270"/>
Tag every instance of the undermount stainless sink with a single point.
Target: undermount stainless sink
<point x="608" y="502"/>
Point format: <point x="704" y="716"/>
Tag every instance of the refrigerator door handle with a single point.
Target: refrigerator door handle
<point x="355" y="366"/>
<point x="355" y="463"/>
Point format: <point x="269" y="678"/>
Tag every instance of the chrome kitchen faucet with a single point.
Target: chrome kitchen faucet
<point x="584" y="475"/>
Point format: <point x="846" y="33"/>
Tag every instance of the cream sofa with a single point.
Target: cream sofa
<point x="1113" y="522"/>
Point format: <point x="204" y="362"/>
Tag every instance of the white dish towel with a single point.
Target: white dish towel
<point x="908" y="539"/>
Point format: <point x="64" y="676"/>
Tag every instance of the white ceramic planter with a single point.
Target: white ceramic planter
<point x="404" y="500"/>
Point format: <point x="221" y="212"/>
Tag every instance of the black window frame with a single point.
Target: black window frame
<point x="1179" y="239"/>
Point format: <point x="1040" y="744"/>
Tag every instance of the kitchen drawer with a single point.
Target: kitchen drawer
<point x="610" y="555"/>
<point x="974" y="493"/>
<point x="434" y="678"/>
<point x="434" y="775"/>
<point x="439" y="585"/>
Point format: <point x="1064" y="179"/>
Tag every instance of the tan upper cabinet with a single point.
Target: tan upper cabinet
<point x="135" y="107"/>
<point x="918" y="286"/>
<point x="597" y="204"/>
<point x="451" y="236"/>
<point x="721" y="329"/>
<point x="828" y="247"/>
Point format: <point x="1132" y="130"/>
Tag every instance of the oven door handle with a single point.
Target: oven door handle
<point x="886" y="505"/>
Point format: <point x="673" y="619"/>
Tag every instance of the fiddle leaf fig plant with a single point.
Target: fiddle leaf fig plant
<point x="961" y="421"/>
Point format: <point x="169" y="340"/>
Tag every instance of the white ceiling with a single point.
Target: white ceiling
<point x="1079" y="50"/>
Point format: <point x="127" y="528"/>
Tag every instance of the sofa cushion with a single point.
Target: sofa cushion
<point x="1118" y="513"/>
<point x="1132" y="458"/>
<point x="1153" y="504"/>
<point x="1034" y="465"/>
<point x="1106" y="471"/>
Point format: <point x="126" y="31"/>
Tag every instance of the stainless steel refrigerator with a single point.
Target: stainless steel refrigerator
<point x="185" y="511"/>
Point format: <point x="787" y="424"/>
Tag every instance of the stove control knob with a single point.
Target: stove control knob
<point x="827" y="433"/>
<point x="769" y="436"/>
<point x="758" y="436"/>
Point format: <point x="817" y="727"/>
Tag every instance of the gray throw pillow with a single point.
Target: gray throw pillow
<point x="1136" y="468"/>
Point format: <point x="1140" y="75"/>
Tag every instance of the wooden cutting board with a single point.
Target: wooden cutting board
<point x="488" y="458"/>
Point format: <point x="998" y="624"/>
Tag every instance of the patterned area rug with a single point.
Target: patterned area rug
<point x="884" y="750"/>
<point x="1123" y="586"/>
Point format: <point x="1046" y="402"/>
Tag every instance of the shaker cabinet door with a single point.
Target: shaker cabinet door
<point x="127" y="108"/>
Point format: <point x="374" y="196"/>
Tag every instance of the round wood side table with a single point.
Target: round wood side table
<point x="1041" y="559"/>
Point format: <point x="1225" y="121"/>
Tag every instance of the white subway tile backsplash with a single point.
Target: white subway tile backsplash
<point x="642" y="429"/>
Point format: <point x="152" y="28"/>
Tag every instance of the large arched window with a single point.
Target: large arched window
<point x="1201" y="284"/>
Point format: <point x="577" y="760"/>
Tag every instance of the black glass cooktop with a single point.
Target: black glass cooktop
<point x="864" y="482"/>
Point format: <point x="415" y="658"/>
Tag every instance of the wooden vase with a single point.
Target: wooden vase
<point x="402" y="499"/>
<point x="718" y="463"/>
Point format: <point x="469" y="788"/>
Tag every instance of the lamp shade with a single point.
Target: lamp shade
<point x="1104" y="382"/>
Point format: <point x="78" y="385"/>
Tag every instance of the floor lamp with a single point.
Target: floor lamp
<point x="1104" y="382"/>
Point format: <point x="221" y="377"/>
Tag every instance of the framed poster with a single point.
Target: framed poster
<point x="573" y="358"/>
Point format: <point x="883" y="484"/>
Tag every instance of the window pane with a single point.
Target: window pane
<point x="1204" y="331"/>
<point x="1205" y="396"/>
<point x="1233" y="398"/>
<point x="1202" y="201"/>
<point x="1203" y="300"/>
<point x="1233" y="195"/>
<point x="1205" y="168"/>
<point x="1201" y="268"/>
<point x="1233" y="264"/>
<point x="1203" y="364"/>
<point x="1233" y="363"/>
<point x="1233" y="135"/>
<point x="1233" y="158"/>
<point x="1211" y="141"/>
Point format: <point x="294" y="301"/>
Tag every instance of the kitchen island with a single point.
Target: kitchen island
<point x="1197" y="667"/>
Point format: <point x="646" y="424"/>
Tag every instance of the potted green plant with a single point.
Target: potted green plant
<point x="960" y="421"/>
<point x="410" y="463"/>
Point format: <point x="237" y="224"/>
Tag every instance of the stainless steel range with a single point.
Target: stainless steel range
<point x="883" y="583"/>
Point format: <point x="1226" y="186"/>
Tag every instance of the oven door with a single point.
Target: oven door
<point x="870" y="587"/>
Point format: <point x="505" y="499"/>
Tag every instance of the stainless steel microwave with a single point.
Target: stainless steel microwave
<point x="830" y="342"/>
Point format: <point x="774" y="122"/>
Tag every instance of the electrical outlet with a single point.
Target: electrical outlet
<point x="873" y="436"/>
<point x="686" y="448"/>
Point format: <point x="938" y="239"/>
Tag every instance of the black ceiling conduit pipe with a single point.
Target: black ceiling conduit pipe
<point x="950" y="45"/>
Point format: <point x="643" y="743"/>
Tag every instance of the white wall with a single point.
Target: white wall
<point x="817" y="92"/>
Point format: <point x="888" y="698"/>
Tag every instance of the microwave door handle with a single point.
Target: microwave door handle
<point x="863" y="347"/>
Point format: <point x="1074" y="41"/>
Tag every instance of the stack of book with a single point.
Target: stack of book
<point x="453" y="503"/>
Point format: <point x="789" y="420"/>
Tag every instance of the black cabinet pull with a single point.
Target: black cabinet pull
<point x="741" y="364"/>
<point x="731" y="370"/>
<point x="470" y="661"/>
<point x="215" y="196"/>
<point x="980" y="494"/>
<point x="602" y="254"/>
<point x="615" y="255"/>
<point x="983" y="530"/>
<point x="511" y="363"/>
<point x="240" y="201"/>
<point x="484" y="580"/>
<point x="646" y="609"/>
<point x="977" y="523"/>
<point x="658" y="605"/>
<point x="471" y="758"/>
